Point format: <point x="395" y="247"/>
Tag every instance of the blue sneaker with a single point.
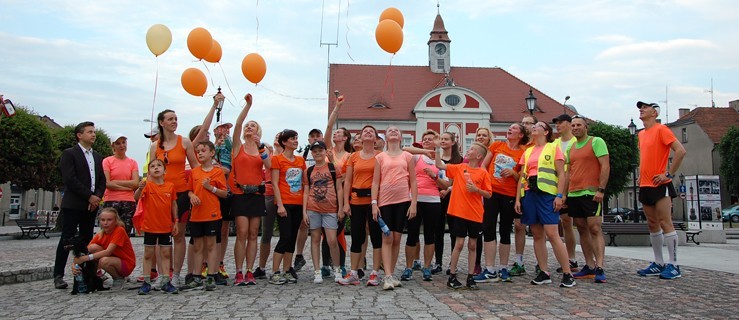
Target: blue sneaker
<point x="670" y="272"/>
<point x="505" y="276"/>
<point x="652" y="270"/>
<point x="325" y="271"/>
<point x="600" y="275"/>
<point x="426" y="274"/>
<point x="417" y="265"/>
<point x="485" y="276"/>
<point x="585" y="273"/>
<point x="145" y="288"/>
<point x="407" y="275"/>
<point x="169" y="288"/>
<point x="343" y="272"/>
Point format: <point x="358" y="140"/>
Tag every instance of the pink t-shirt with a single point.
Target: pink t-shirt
<point x="533" y="165"/>
<point x="394" y="178"/>
<point x="427" y="189"/>
<point x="119" y="169"/>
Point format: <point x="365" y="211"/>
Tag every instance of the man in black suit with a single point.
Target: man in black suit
<point x="84" y="185"/>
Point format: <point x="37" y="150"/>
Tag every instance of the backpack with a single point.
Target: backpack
<point x="331" y="169"/>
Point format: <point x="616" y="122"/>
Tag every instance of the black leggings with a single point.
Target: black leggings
<point x="501" y="205"/>
<point x="289" y="226"/>
<point x="325" y="250"/>
<point x="427" y="213"/>
<point x="441" y="223"/>
<point x="361" y="216"/>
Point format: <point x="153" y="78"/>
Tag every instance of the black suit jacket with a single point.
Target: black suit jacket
<point x="76" y="176"/>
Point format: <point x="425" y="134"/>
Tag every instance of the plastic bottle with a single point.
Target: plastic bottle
<point x="383" y="226"/>
<point x="80" y="279"/>
<point x="467" y="176"/>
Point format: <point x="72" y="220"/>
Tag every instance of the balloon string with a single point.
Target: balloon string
<point x="209" y="75"/>
<point x="153" y="102"/>
<point x="287" y="95"/>
<point x="256" y="16"/>
<point x="229" y="87"/>
<point x="389" y="80"/>
<point x="346" y="35"/>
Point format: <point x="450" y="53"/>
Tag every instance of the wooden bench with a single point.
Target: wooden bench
<point x="30" y="225"/>
<point x="613" y="229"/>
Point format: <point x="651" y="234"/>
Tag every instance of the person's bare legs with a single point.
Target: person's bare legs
<point x="251" y="242"/>
<point x="179" y="249"/>
<point x="586" y="242"/>
<point x="569" y="234"/>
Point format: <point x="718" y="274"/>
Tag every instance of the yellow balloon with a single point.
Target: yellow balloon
<point x="158" y="39"/>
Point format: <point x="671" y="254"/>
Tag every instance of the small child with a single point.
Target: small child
<point x="159" y="223"/>
<point x="207" y="184"/>
<point x="472" y="183"/>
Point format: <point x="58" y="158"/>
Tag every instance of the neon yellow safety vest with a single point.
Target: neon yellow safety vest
<point x="546" y="177"/>
<point x="566" y="152"/>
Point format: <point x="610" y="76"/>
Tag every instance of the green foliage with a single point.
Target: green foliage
<point x="622" y="152"/>
<point x="65" y="138"/>
<point x="728" y="149"/>
<point x="27" y="157"/>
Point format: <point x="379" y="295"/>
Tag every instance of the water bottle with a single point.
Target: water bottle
<point x="467" y="176"/>
<point x="80" y="279"/>
<point x="383" y="226"/>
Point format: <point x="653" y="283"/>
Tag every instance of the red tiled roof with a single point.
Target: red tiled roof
<point x="715" y="122"/>
<point x="399" y="88"/>
<point x="439" y="32"/>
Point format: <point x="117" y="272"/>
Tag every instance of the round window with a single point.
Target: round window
<point x="452" y="100"/>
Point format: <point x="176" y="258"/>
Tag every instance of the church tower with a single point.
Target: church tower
<point x="439" y="47"/>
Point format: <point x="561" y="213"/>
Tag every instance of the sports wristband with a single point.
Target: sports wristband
<point x="214" y="190"/>
<point x="90" y="257"/>
<point x="374" y="201"/>
<point x="559" y="195"/>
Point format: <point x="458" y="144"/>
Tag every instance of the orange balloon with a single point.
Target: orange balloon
<point x="199" y="41"/>
<point x="389" y="35"/>
<point x="254" y="67"/>
<point x="215" y="53"/>
<point x="393" y="14"/>
<point x="194" y="82"/>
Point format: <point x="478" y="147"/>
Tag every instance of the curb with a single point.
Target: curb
<point x="26" y="275"/>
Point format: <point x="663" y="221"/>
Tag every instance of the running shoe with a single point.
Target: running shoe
<point x="145" y="288"/>
<point x="600" y="275"/>
<point x="652" y="270"/>
<point x="204" y="270"/>
<point x="541" y="278"/>
<point x="568" y="281"/>
<point x="437" y="269"/>
<point x="407" y="275"/>
<point x="250" y="280"/>
<point x="417" y="265"/>
<point x="373" y="280"/>
<point x="153" y="275"/>
<point x="168" y="287"/>
<point x="299" y="262"/>
<point x="325" y="271"/>
<point x="485" y="276"/>
<point x="351" y="278"/>
<point x="176" y="281"/>
<point x="396" y="282"/>
<point x="192" y="282"/>
<point x="219" y="279"/>
<point x="277" y="279"/>
<point x="118" y="284"/>
<point x="387" y="284"/>
<point x="518" y="269"/>
<point x="585" y="273"/>
<point x="471" y="284"/>
<point x="453" y="283"/>
<point x="239" y="280"/>
<point x="478" y="270"/>
<point x="426" y="274"/>
<point x="293" y="273"/>
<point x="289" y="278"/>
<point x="317" y="276"/>
<point x="573" y="266"/>
<point x="505" y="276"/>
<point x="260" y="274"/>
<point x="670" y="272"/>
<point x="337" y="275"/>
<point x="222" y="271"/>
<point x="210" y="284"/>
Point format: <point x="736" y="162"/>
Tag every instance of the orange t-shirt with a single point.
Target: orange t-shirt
<point x="157" y="200"/>
<point x="654" y="152"/>
<point x="394" y="178"/>
<point x="322" y="196"/>
<point x="464" y="204"/>
<point x="341" y="162"/>
<point x="290" y="182"/>
<point x="363" y="171"/>
<point x="210" y="207"/>
<point x="176" y="159"/>
<point x="123" y="250"/>
<point x="247" y="170"/>
<point x="504" y="158"/>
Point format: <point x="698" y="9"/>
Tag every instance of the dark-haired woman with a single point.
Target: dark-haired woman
<point x="449" y="155"/>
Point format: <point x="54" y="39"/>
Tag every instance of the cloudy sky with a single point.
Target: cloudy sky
<point x="88" y="60"/>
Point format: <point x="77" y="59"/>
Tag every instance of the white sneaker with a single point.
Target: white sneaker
<point x="176" y="281"/>
<point x="317" y="277"/>
<point x="337" y="275"/>
<point x="388" y="284"/>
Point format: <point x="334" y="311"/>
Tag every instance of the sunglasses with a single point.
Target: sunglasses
<point x="527" y="123"/>
<point x="166" y="159"/>
<point x="578" y="117"/>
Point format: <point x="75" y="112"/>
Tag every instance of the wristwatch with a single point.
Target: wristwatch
<point x="668" y="175"/>
<point x="601" y="190"/>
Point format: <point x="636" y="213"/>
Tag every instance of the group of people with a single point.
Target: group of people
<point x="498" y="186"/>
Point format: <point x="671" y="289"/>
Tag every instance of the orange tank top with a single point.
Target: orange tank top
<point x="247" y="169"/>
<point x="174" y="160"/>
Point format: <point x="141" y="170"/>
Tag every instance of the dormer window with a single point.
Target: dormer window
<point x="378" y="106"/>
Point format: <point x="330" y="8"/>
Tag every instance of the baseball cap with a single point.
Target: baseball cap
<point x="314" y="131"/>
<point x="223" y="128"/>
<point x="653" y="105"/>
<point x="117" y="137"/>
<point x="318" y="144"/>
<point x="153" y="132"/>
<point x="562" y="117"/>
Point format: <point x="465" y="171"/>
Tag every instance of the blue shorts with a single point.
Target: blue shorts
<point x="538" y="208"/>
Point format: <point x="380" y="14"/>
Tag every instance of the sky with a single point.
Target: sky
<point x="88" y="60"/>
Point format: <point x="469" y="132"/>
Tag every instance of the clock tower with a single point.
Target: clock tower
<point x="439" y="47"/>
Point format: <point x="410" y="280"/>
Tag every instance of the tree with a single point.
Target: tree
<point x="728" y="150"/>
<point x="27" y="157"/>
<point x="65" y="138"/>
<point x="623" y="156"/>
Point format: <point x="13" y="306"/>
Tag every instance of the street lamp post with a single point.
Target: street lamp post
<point x="635" y="213"/>
<point x="531" y="101"/>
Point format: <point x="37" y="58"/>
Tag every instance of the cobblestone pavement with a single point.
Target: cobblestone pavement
<point x="699" y="294"/>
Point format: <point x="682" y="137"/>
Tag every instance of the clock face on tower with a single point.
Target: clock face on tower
<point x="440" y="48"/>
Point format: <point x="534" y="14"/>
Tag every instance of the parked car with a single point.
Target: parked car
<point x="730" y="213"/>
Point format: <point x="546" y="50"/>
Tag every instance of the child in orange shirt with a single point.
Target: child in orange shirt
<point x="207" y="184"/>
<point x="159" y="222"/>
<point x="472" y="184"/>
